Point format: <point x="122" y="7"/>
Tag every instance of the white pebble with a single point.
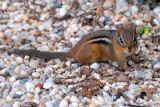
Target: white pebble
<point x="63" y="103"/>
<point x="106" y="88"/>
<point x="9" y="98"/>
<point x="2" y="79"/>
<point x="54" y="91"/>
<point x="34" y="63"/>
<point x="74" y="99"/>
<point x="16" y="104"/>
<point x="97" y="76"/>
<point x="134" y="9"/>
<point x="48" y="70"/>
<point x="157" y="10"/>
<point x="156" y="21"/>
<point x="36" y="74"/>
<point x="144" y="49"/>
<point x="43" y="48"/>
<point x="37" y="91"/>
<point x="156" y="66"/>
<point x="30" y="87"/>
<point x="4" y="6"/>
<point x="41" y="27"/>
<point x="139" y="22"/>
<point x="48" y="104"/>
<point x="62" y="12"/>
<point x="74" y="104"/>
<point x="95" y="66"/>
<point x="17" y="69"/>
<point x="47" y="85"/>
<point x="12" y="79"/>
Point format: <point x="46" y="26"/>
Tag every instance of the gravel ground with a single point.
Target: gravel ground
<point x="57" y="25"/>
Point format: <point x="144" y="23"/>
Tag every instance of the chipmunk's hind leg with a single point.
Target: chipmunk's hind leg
<point x="87" y="56"/>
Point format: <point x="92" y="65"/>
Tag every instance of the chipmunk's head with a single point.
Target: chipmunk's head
<point x="127" y="38"/>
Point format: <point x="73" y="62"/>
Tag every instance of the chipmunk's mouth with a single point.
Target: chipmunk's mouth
<point x="129" y="52"/>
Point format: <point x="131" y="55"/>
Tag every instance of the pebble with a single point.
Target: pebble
<point x="4" y="6"/>
<point x="134" y="9"/>
<point x="29" y="87"/>
<point x="157" y="10"/>
<point x="97" y="76"/>
<point x="63" y="103"/>
<point x="7" y="105"/>
<point x="74" y="99"/>
<point x="34" y="63"/>
<point x="108" y="13"/>
<point x="62" y="12"/>
<point x="48" y="70"/>
<point x="147" y="18"/>
<point x="36" y="74"/>
<point x="16" y="104"/>
<point x="44" y="48"/>
<point x="47" y="85"/>
<point x="95" y="66"/>
<point x="155" y="21"/>
<point x="2" y="79"/>
<point x="17" y="70"/>
<point x="116" y="18"/>
<point x="156" y="66"/>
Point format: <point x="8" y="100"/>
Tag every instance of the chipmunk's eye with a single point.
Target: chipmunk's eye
<point x="121" y="40"/>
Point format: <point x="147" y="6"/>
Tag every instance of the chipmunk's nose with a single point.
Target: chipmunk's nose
<point x="129" y="49"/>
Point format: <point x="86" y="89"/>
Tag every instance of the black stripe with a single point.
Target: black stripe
<point x="101" y="42"/>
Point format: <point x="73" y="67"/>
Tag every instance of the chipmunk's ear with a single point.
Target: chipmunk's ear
<point x="119" y="29"/>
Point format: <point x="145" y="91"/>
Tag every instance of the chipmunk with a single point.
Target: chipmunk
<point x="97" y="46"/>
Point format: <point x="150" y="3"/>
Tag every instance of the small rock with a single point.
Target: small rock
<point x="48" y="104"/>
<point x="74" y="104"/>
<point x="147" y="17"/>
<point x="93" y="105"/>
<point x="116" y="18"/>
<point x="17" y="70"/>
<point x="156" y="67"/>
<point x="47" y="85"/>
<point x="54" y="91"/>
<point x="6" y="105"/>
<point x="34" y="63"/>
<point x="16" y="104"/>
<point x="97" y="76"/>
<point x="30" y="87"/>
<point x="95" y="66"/>
<point x="135" y="15"/>
<point x="62" y="12"/>
<point x="48" y="70"/>
<point x="2" y="79"/>
<point x="43" y="48"/>
<point x="29" y="104"/>
<point x="74" y="99"/>
<point x="4" y="6"/>
<point x="134" y="9"/>
<point x="106" y="88"/>
<point x="41" y="105"/>
<point x="36" y="74"/>
<point x="139" y="22"/>
<point x="156" y="22"/>
<point x="157" y="10"/>
<point x="19" y="60"/>
<point x="38" y="85"/>
<point x="108" y="13"/>
<point x="63" y="103"/>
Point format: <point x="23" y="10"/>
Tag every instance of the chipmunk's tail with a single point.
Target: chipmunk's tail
<point x="41" y="54"/>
